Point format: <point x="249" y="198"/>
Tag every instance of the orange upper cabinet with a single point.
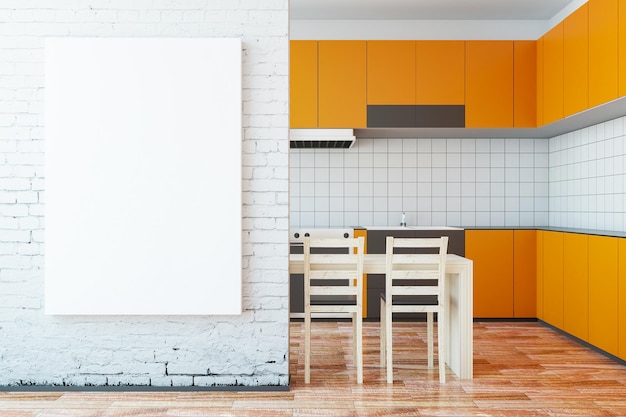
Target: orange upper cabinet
<point x="524" y="84"/>
<point x="540" y="68"/>
<point x="303" y="84"/>
<point x="603" y="293"/>
<point x="603" y="35"/>
<point x="576" y="61"/>
<point x="553" y="75"/>
<point x="622" y="48"/>
<point x="342" y="84"/>
<point x="489" y="84"/>
<point x="440" y="72"/>
<point x="390" y="72"/>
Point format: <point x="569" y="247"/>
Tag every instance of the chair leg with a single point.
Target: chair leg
<point x="430" y="337"/>
<point x="307" y="348"/>
<point x="441" y="347"/>
<point x="359" y="347"/>
<point x="383" y="328"/>
<point x="389" y="343"/>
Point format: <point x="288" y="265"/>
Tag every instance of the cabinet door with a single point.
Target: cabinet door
<point x="540" y="82"/>
<point x="622" y="298"/>
<point x="525" y="84"/>
<point x="603" y="293"/>
<point x="622" y="48"/>
<point x="575" y="285"/>
<point x="440" y="72"/>
<point x="492" y="253"/>
<point x="553" y="278"/>
<point x="342" y="84"/>
<point x="525" y="273"/>
<point x="390" y="72"/>
<point x="602" y="51"/>
<point x="553" y="75"/>
<point x="489" y="84"/>
<point x="303" y="84"/>
<point x="540" y="265"/>
<point x="576" y="61"/>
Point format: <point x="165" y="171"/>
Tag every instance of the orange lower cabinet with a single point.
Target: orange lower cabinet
<point x="603" y="293"/>
<point x="492" y="253"/>
<point x="576" y="285"/>
<point x="553" y="278"/>
<point x="525" y="273"/>
<point x="622" y="298"/>
<point x="540" y="274"/>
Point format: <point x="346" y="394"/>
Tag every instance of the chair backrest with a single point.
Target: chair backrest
<point x="416" y="266"/>
<point x="335" y="274"/>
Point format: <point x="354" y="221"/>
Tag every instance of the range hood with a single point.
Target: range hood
<point x="321" y="138"/>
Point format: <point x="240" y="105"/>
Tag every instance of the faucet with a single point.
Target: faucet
<point x="403" y="222"/>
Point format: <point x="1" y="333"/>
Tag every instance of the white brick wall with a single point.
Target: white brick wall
<point x="251" y="349"/>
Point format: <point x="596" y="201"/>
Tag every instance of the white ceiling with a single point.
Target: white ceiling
<point x="426" y="9"/>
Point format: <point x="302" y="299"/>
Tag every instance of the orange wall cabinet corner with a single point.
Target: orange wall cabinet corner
<point x="575" y="285"/>
<point x="576" y="61"/>
<point x="440" y="72"/>
<point x="540" y="82"/>
<point x="622" y="48"/>
<point x="540" y="274"/>
<point x="525" y="273"/>
<point x="622" y="298"/>
<point x="303" y="84"/>
<point x="524" y="84"/>
<point x="603" y="55"/>
<point x="603" y="293"/>
<point x="553" y="278"/>
<point x="553" y="75"/>
<point x="492" y="253"/>
<point x="489" y="84"/>
<point x="390" y="72"/>
<point x="342" y="84"/>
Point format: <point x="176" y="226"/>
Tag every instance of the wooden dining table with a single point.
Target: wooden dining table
<point x="458" y="306"/>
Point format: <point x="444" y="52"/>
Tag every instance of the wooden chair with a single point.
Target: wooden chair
<point x="415" y="280"/>
<point x="338" y="277"/>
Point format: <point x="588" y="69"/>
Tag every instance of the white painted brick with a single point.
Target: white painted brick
<point x="7" y="248"/>
<point x="25" y="159"/>
<point x="7" y="120"/>
<point x="14" y="235"/>
<point x="14" y="184"/>
<point x="16" y="210"/>
<point x="8" y="197"/>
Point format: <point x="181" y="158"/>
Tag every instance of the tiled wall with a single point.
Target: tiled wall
<point x="455" y="182"/>
<point x="587" y="177"/>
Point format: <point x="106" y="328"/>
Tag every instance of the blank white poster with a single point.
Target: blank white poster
<point x="143" y="176"/>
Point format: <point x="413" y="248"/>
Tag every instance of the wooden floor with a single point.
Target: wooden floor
<point x="520" y="369"/>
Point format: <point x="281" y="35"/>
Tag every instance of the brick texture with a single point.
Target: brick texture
<point x="251" y="349"/>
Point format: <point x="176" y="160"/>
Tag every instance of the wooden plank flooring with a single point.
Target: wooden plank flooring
<point x="520" y="369"/>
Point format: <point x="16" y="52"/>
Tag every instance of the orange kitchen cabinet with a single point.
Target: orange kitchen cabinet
<point x="540" y="70"/>
<point x="439" y="72"/>
<point x="622" y="298"/>
<point x="525" y="273"/>
<point x="303" y="84"/>
<point x="342" y="84"/>
<point x="492" y="253"/>
<point x="553" y="278"/>
<point x="622" y="48"/>
<point x="391" y="72"/>
<point x="603" y="55"/>
<point x="576" y="61"/>
<point x="489" y="83"/>
<point x="524" y="84"/>
<point x="576" y="285"/>
<point x="553" y="75"/>
<point x="540" y="274"/>
<point x="603" y="293"/>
